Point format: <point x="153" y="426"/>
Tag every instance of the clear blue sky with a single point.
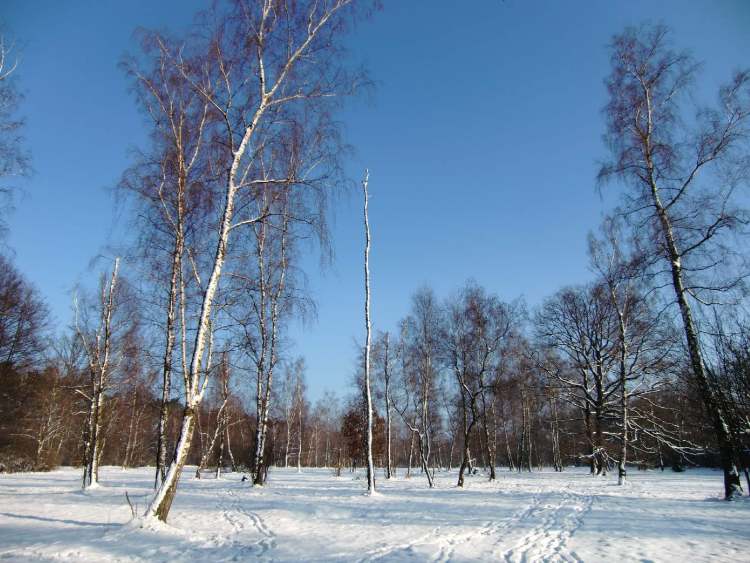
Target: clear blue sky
<point x="482" y="141"/>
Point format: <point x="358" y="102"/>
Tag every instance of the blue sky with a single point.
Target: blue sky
<point x="482" y="140"/>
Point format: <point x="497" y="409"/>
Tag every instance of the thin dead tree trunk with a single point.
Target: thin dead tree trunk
<point x="366" y="386"/>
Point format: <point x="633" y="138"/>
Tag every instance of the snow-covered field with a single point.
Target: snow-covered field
<point x="314" y="516"/>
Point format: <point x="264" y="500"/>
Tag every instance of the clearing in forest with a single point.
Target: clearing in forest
<point x="314" y="516"/>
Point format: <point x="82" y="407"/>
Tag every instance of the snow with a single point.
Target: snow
<point x="314" y="516"/>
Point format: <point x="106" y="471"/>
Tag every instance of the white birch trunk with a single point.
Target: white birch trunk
<point x="368" y="328"/>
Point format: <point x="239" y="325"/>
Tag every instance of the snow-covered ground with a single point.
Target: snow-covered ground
<point x="314" y="516"/>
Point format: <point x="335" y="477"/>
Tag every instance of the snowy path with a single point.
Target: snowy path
<point x="243" y="524"/>
<point x="555" y="521"/>
<point x="313" y="516"/>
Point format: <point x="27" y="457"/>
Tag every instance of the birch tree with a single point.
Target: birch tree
<point x="261" y="66"/>
<point x="680" y="176"/>
<point x="383" y="358"/>
<point x="268" y="308"/>
<point x="299" y="404"/>
<point x="366" y="392"/>
<point x="477" y="326"/>
<point x="221" y="418"/>
<point x="166" y="182"/>
<point x="645" y="345"/>
<point x="419" y="371"/>
<point x="579" y="324"/>
<point x="99" y="352"/>
<point x="731" y="374"/>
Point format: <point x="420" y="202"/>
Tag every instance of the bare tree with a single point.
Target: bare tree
<point x="367" y="395"/>
<point x="681" y="182"/>
<point x="262" y="67"/>
<point x="645" y="344"/>
<point x="267" y="291"/>
<point x="419" y="351"/>
<point x="165" y="183"/>
<point x="731" y="374"/>
<point x="24" y="318"/>
<point x="221" y="419"/>
<point x="134" y="383"/>
<point x="290" y="405"/>
<point x="578" y="323"/>
<point x="14" y="159"/>
<point x="383" y="357"/>
<point x="98" y="349"/>
<point x="299" y="406"/>
<point x="476" y="328"/>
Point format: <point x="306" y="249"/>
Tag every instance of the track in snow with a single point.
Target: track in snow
<point x="555" y="521"/>
<point x="491" y="530"/>
<point x="449" y="542"/>
<point x="242" y="521"/>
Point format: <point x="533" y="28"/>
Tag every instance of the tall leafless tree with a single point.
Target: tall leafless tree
<point x="477" y="327"/>
<point x="383" y="358"/>
<point x="99" y="352"/>
<point x="166" y="183"/>
<point x="24" y="318"/>
<point x="578" y="323"/>
<point x="681" y="176"/>
<point x="14" y="158"/>
<point x="263" y="67"/>
<point x="366" y="391"/>
<point x="419" y="351"/>
<point x="645" y="343"/>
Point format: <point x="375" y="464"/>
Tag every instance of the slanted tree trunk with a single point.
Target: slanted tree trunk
<point x="651" y="153"/>
<point x="732" y="485"/>
<point x="468" y="426"/>
<point x="424" y="457"/>
<point x="162" y="503"/>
